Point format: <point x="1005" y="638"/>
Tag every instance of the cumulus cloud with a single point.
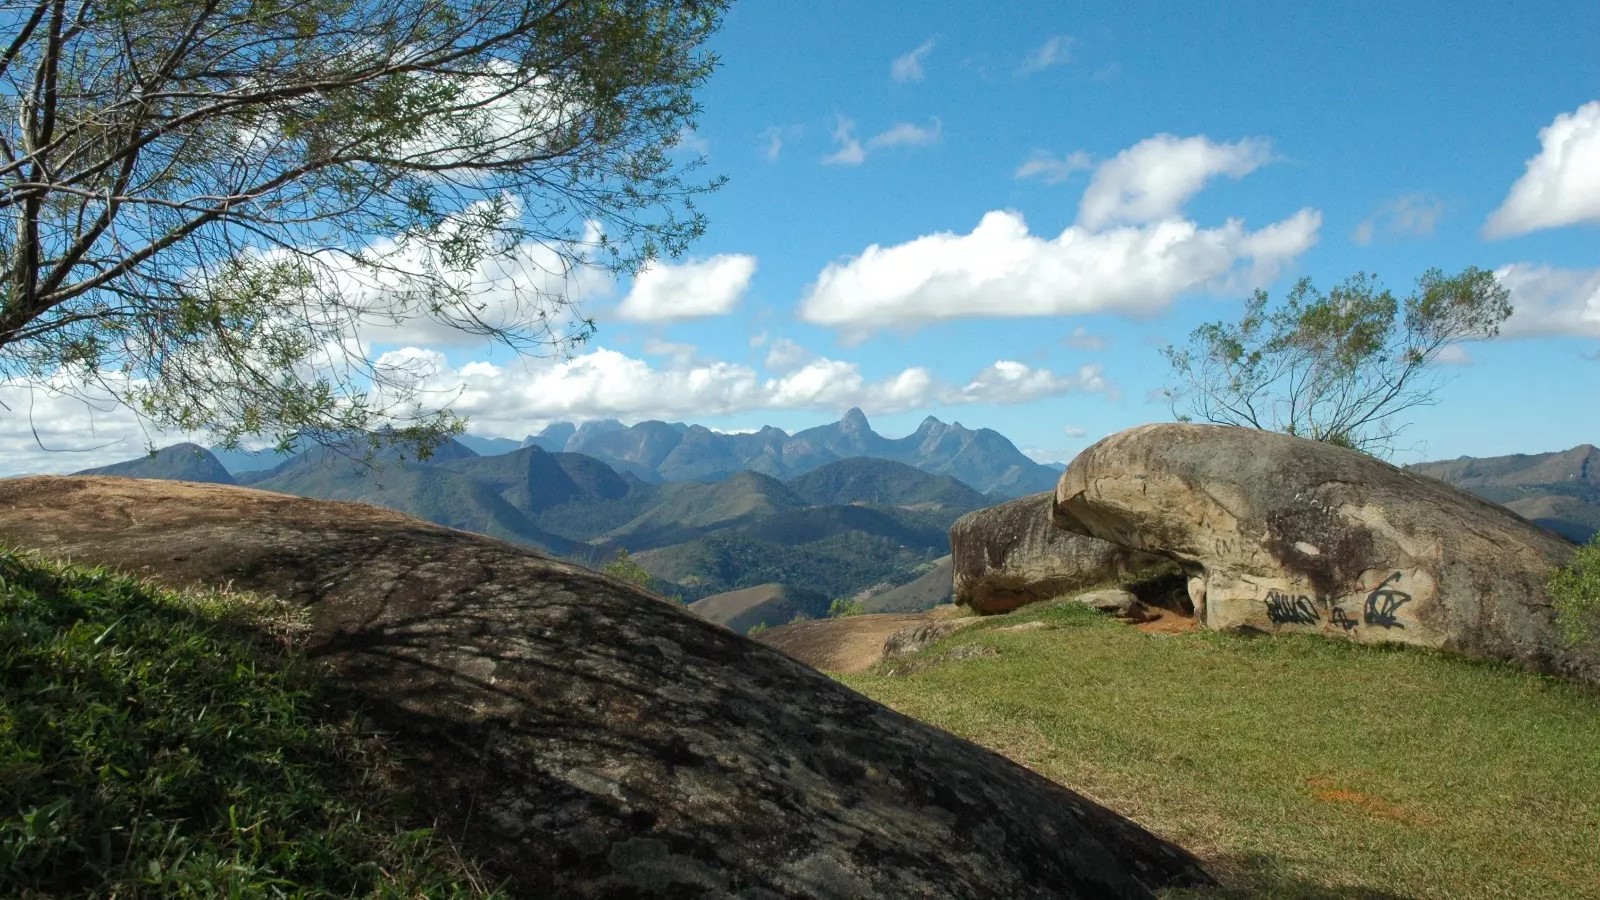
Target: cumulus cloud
<point x="1453" y="355"/>
<point x="1414" y="215"/>
<point x="680" y="354"/>
<point x="1152" y="179"/>
<point x="1081" y="339"/>
<point x="907" y="134"/>
<point x="1001" y="269"/>
<point x="516" y="398"/>
<point x="1051" y="169"/>
<point x="1055" y="51"/>
<point x="605" y="383"/>
<point x="1549" y="301"/>
<point x="908" y="66"/>
<point x="849" y="151"/>
<point x="689" y="290"/>
<point x="1562" y="183"/>
<point x="1074" y="431"/>
<point x="1008" y="381"/>
<point x="785" y="356"/>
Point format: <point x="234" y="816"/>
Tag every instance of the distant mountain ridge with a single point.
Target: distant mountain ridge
<point x="1559" y="491"/>
<point x="845" y="527"/>
<point x="672" y="451"/>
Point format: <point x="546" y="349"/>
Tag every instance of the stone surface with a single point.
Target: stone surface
<point x="1284" y="534"/>
<point x="585" y="739"/>
<point x="1011" y="555"/>
<point x="1116" y="602"/>
<point x="921" y="636"/>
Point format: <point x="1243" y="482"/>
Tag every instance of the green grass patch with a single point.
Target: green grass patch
<point x="166" y="744"/>
<point x="1294" y="765"/>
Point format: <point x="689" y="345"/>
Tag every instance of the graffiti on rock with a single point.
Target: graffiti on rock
<point x="1383" y="602"/>
<point x="1283" y="609"/>
<point x="1381" y="606"/>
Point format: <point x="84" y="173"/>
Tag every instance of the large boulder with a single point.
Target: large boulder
<point x="583" y="738"/>
<point x="1011" y="555"/>
<point x="1285" y="534"/>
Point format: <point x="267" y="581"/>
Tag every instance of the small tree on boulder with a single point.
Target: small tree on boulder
<point x="1335" y="367"/>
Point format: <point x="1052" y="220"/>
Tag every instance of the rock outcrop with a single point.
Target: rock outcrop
<point x="582" y="738"/>
<point x="1281" y="533"/>
<point x="1011" y="555"/>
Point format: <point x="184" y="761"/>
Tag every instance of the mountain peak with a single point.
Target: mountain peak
<point x="855" y="420"/>
<point x="931" y="425"/>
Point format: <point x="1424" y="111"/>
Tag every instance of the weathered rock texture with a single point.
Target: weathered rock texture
<point x="585" y="739"/>
<point x="1011" y="555"/>
<point x="922" y="636"/>
<point x="1285" y="534"/>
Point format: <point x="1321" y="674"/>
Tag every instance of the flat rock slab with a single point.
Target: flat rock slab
<point x="845" y="645"/>
<point x="585" y="739"/>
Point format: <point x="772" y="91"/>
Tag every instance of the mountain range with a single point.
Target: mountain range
<point x="852" y="527"/>
<point x="1558" y="491"/>
<point x="747" y="546"/>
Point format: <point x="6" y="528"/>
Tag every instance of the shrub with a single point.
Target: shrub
<point x="844" y="606"/>
<point x="624" y="568"/>
<point x="1575" y="591"/>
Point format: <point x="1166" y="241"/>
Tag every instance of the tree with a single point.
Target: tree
<point x="624" y="568"/>
<point x="1575" y="594"/>
<point x="1334" y="367"/>
<point x="215" y="209"/>
<point x="845" y="606"/>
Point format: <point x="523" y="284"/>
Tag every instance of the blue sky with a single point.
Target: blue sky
<point x="933" y="209"/>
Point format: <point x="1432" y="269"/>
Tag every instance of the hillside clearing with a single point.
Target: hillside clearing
<point x="1294" y="766"/>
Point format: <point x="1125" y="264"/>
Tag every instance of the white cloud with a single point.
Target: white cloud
<point x="1055" y="51"/>
<point x="680" y="354"/>
<point x="774" y="138"/>
<point x="1008" y="381"/>
<point x="1408" y="215"/>
<point x="1000" y="269"/>
<point x="1152" y="179"/>
<point x="60" y="426"/>
<point x="906" y="134"/>
<point x="407" y="291"/>
<point x="512" y="400"/>
<point x="1453" y="355"/>
<point x="908" y="67"/>
<point x="1050" y="169"/>
<point x="756" y="340"/>
<point x="849" y="152"/>
<point x="785" y="356"/>
<point x="690" y="141"/>
<point x="1081" y="339"/>
<point x="1074" y="431"/>
<point x="1550" y="301"/>
<point x="689" y="290"/>
<point x="507" y="400"/>
<point x="1562" y="184"/>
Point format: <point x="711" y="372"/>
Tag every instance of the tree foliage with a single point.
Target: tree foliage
<point x="214" y="209"/>
<point x="1335" y="367"/>
<point x="625" y="568"/>
<point x="1575" y="593"/>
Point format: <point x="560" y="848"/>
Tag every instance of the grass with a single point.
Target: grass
<point x="159" y="744"/>
<point x="1294" y="765"/>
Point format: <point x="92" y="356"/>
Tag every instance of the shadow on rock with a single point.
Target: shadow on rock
<point x="582" y="738"/>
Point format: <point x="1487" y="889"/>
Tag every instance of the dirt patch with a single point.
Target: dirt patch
<point x="847" y="645"/>
<point x="1326" y="790"/>
<point x="1169" y="622"/>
